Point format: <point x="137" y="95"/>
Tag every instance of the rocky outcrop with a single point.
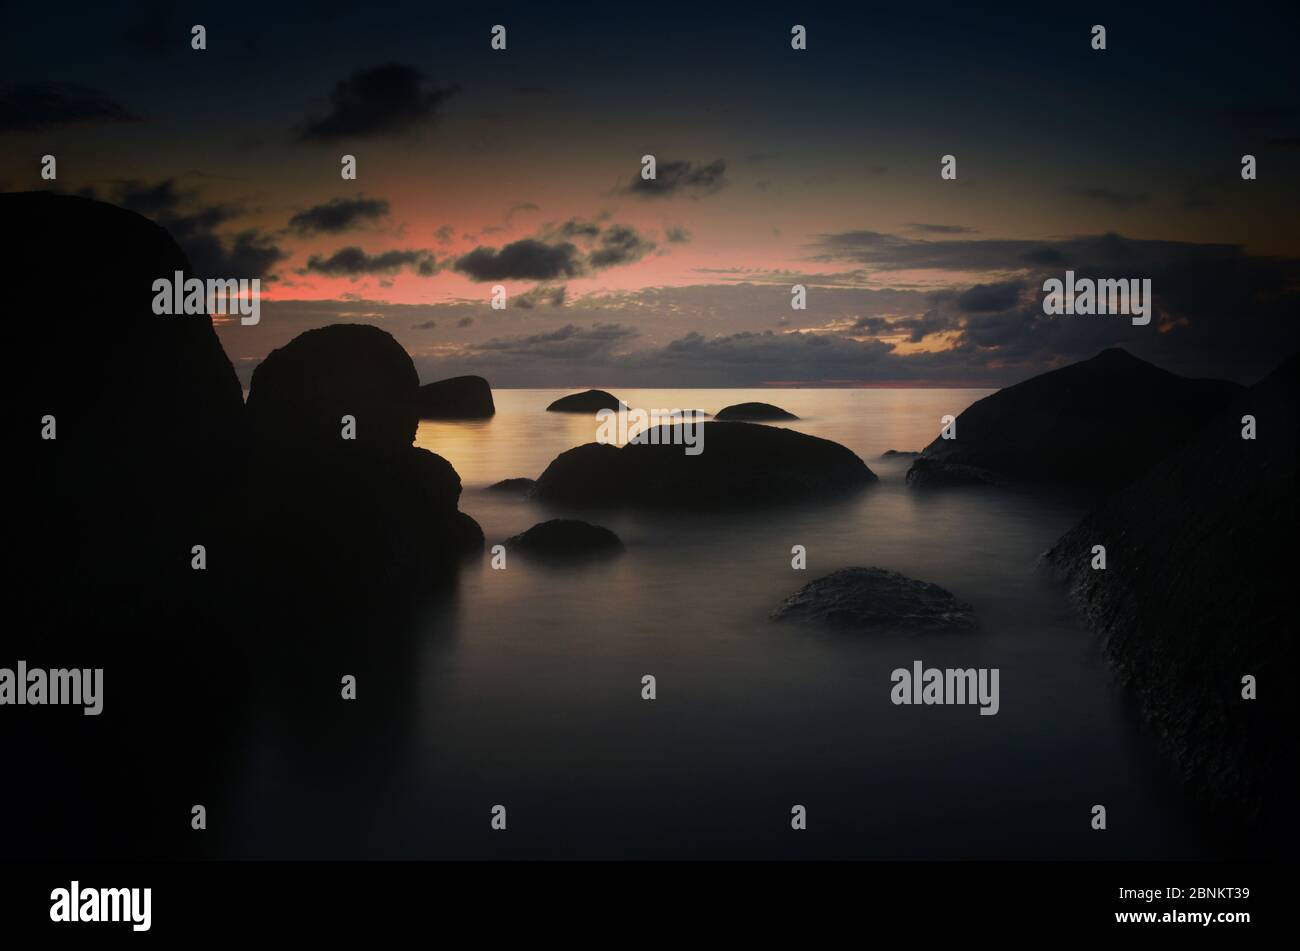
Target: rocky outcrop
<point x="753" y="412"/>
<point x="873" y="600"/>
<point x="589" y="401"/>
<point x="898" y="453"/>
<point x="458" y="397"/>
<point x="516" y="486"/>
<point x="1196" y="594"/>
<point x="565" y="538"/>
<point x="742" y="464"/>
<point x="341" y="489"/>
<point x="1092" y="426"/>
<point x="145" y="409"/>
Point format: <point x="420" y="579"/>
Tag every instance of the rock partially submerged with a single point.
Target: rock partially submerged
<point x="369" y="506"/>
<point x="898" y="453"/>
<point x="1198" y="593"/>
<point x="518" y="486"/>
<point x="874" y="600"/>
<point x="1092" y="426"/>
<point x="458" y="397"/>
<point x="742" y="464"/>
<point x="566" y="538"/>
<point x="753" y="412"/>
<point x="589" y="401"/>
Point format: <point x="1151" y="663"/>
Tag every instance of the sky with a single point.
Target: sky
<point x="820" y="167"/>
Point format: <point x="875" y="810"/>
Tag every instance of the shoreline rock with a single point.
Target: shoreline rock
<point x="457" y="397"/>
<point x="753" y="413"/>
<point x="876" y="600"/>
<point x="565" y="538"/>
<point x="588" y="401"/>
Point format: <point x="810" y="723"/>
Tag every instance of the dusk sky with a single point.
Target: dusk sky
<point x="775" y="167"/>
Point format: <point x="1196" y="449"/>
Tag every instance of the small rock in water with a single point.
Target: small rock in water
<point x="565" y="537"/>
<point x="873" y="599"/>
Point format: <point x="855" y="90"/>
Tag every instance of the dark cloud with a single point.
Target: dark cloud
<point x="922" y="228"/>
<point x="425" y="325"/>
<point x="619" y="244"/>
<point x="672" y="178"/>
<point x="156" y="29"/>
<point x="542" y="294"/>
<point x="528" y="259"/>
<point x="676" y="235"/>
<point x="245" y="254"/>
<point x="31" y="107"/>
<point x="464" y="321"/>
<point x="445" y="234"/>
<point x="387" y="100"/>
<point x="353" y="262"/>
<point x="575" y="228"/>
<point x="338" y="215"/>
<point x="565" y="343"/>
<point x="987" y="297"/>
<point x="1107" y="196"/>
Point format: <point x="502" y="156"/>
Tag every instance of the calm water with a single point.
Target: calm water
<point x="525" y="689"/>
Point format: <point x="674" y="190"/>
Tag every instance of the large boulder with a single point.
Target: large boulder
<point x="1196" y="594"/>
<point x="1091" y="426"/>
<point x="458" y="397"/>
<point x="566" y="538"/>
<point x="373" y="504"/>
<point x="741" y="464"/>
<point x="874" y="600"/>
<point x="753" y="412"/>
<point x="146" y="409"/>
<point x="588" y="401"/>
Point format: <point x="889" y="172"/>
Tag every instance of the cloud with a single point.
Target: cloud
<point x="922" y="228"/>
<point x="675" y="234"/>
<point x="527" y="259"/>
<point x="445" y="234"/>
<point x="353" y="262"/>
<point x="1106" y="196"/>
<point x="464" y="321"/>
<point x="425" y="325"/>
<point x="565" y="343"/>
<point x="539" y="295"/>
<point x="33" y="107"/>
<point x="338" y="215"/>
<point x="384" y="101"/>
<point x="619" y="244"/>
<point x="248" y="253"/>
<point x="672" y="178"/>
<point x="982" y="298"/>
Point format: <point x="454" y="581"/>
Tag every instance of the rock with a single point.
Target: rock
<point x="753" y="412"/>
<point x="373" y="507"/>
<point x="874" y="600"/>
<point x="459" y="397"/>
<point x="742" y="464"/>
<point x="931" y="473"/>
<point x="891" y="453"/>
<point x="590" y="401"/>
<point x="147" y="408"/>
<point x="520" y="486"/>
<point x="1197" y="593"/>
<point x="565" y="537"/>
<point x="1091" y="427"/>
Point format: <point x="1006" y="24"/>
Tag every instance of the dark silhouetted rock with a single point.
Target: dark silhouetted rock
<point x="874" y="600"/>
<point x="1198" y="592"/>
<point x="753" y="412"/>
<point x="147" y="408"/>
<point x="565" y="538"/>
<point x="932" y="473"/>
<point x="1091" y="427"/>
<point x="459" y="397"/>
<point x="900" y="453"/>
<point x="521" y="486"/>
<point x="742" y="464"/>
<point x="370" y="507"/>
<point x="590" y="401"/>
